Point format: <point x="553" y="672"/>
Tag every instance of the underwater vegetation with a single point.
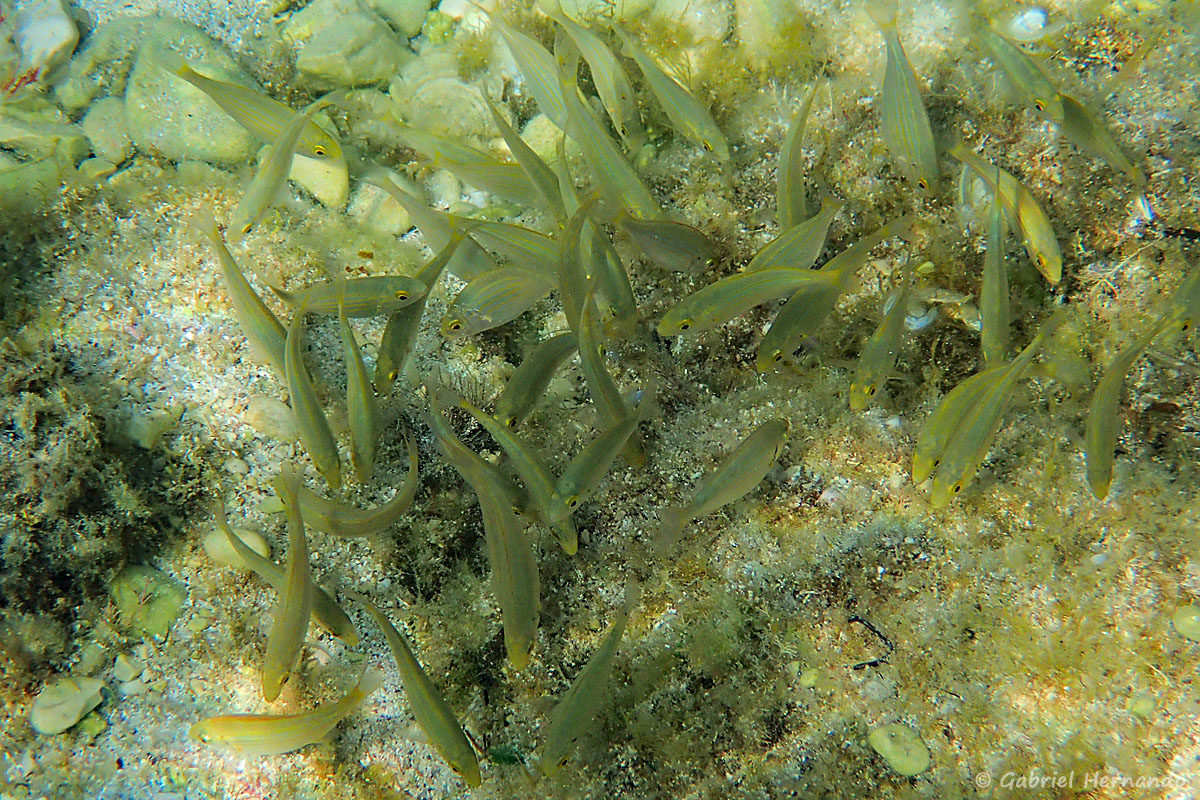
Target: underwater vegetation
<point x="721" y="474"/>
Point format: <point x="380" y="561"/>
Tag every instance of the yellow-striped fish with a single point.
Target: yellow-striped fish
<point x="493" y="299"/>
<point x="294" y="608"/>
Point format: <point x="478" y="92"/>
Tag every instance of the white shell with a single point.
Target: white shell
<point x="45" y="35"/>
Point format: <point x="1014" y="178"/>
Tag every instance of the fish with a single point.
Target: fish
<point x="611" y="405"/>
<point x="976" y="428"/>
<point x="311" y="423"/>
<point x="612" y="84"/>
<point x="361" y="405"/>
<point x="572" y="715"/>
<point x="294" y="607"/>
<point x="1103" y="421"/>
<point x="400" y="331"/>
<point x="539" y="69"/>
<point x="687" y="115"/>
<point x="541" y="177"/>
<point x="903" y="120"/>
<point x="534" y="474"/>
<point x="732" y="296"/>
<point x="264" y="333"/>
<point x="878" y="356"/>
<point x="739" y="472"/>
<point x="493" y="299"/>
<point x="260" y="115"/>
<point x="362" y="297"/>
<point x="798" y="245"/>
<point x="272" y="174"/>
<point x="942" y="422"/>
<point x="672" y="245"/>
<point x="791" y="193"/>
<point x="587" y="469"/>
<point x="341" y="519"/>
<point x="272" y="734"/>
<point x="473" y="167"/>
<point x="429" y="708"/>
<point x="325" y="610"/>
<point x="522" y="246"/>
<point x="527" y="385"/>
<point x="510" y="552"/>
<point x="1026" y="75"/>
<point x="1023" y="210"/>
<point x="995" y="315"/>
<point x="1086" y="131"/>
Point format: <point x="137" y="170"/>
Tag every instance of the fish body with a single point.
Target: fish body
<point x="1025" y="74"/>
<point x="672" y="245"/>
<point x="1086" y="131"/>
<point x="740" y="471"/>
<point x="539" y="69"/>
<point x="311" y="423"/>
<point x="587" y="469"/>
<point x="265" y="334"/>
<point x="272" y="734"/>
<point x="732" y="296"/>
<point x="995" y="315"/>
<point x="260" y="115"/>
<point x="878" y="357"/>
<point x="798" y="245"/>
<point x="493" y="299"/>
<point x="341" y="519"/>
<point x="294" y="607"/>
<point x="902" y="116"/>
<point x="611" y="405"/>
<point x="362" y="297"/>
<point x="540" y="176"/>
<point x="688" y="116"/>
<point x="429" y="708"/>
<point x="791" y="193"/>
<point x="528" y="384"/>
<point x="361" y="406"/>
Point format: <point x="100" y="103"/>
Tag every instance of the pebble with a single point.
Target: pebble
<point x="45" y="35"/>
<point x="218" y="548"/>
<point x="340" y="43"/>
<point x="236" y="466"/>
<point x="126" y="668"/>
<point x="63" y="703"/>
<point x="901" y="748"/>
<point x="104" y="126"/>
<point x="1187" y="622"/>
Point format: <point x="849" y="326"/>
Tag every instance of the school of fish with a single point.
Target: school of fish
<point x="508" y="268"/>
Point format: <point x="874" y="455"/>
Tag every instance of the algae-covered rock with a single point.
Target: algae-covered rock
<point x="339" y="43"/>
<point x="63" y="703"/>
<point x="102" y="66"/>
<point x="406" y="16"/>
<point x="169" y="117"/>
<point x="147" y="600"/>
<point x="35" y="127"/>
<point x="901" y="748"/>
<point x="104" y="126"/>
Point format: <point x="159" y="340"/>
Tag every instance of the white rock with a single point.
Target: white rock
<point x="406" y="16"/>
<point x="63" y="703"/>
<point x="104" y="126"/>
<point x="45" y="35"/>
<point x="378" y="210"/>
<point x="326" y="180"/>
<point x="218" y="548"/>
<point x="343" y="43"/>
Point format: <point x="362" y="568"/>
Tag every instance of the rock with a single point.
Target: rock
<point x="406" y="16"/>
<point x="126" y="668"/>
<point x="328" y="181"/>
<point x="103" y="64"/>
<point x="341" y="43"/>
<point x="1186" y="620"/>
<point x="708" y="21"/>
<point x="431" y="96"/>
<point x="61" y="704"/>
<point x="104" y="126"/>
<point x="45" y="35"/>
<point x="218" y="548"/>
<point x="36" y="128"/>
<point x="271" y="417"/>
<point x="96" y="169"/>
<point x="901" y="748"/>
<point x="378" y="210"/>
<point x="169" y="117"/>
<point x="147" y="600"/>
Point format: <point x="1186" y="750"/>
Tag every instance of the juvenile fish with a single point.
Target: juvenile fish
<point x="539" y="69"/>
<point x="791" y="194"/>
<point x="572" y="715"/>
<point x="672" y="245"/>
<point x="493" y="299"/>
<point x="878" y="357"/>
<point x="732" y="296"/>
<point x="325" y="610"/>
<point x="1025" y="74"/>
<point x="271" y="734"/>
<point x="1090" y="134"/>
<point x="429" y="708"/>
<point x="260" y="115"/>
<point x="473" y="167"/>
<point x="264" y="333"/>
<point x="1103" y="420"/>
<point x="799" y="245"/>
<point x="342" y="519"/>
<point x="611" y="405"/>
<point x="510" y="552"/>
<point x="311" y="422"/>
<point x="528" y="384"/>
<point x="524" y="247"/>
<point x="361" y="405"/>
<point x="688" y="116"/>
<point x="741" y="471"/>
<point x="902" y="116"/>
<point x="540" y="176"/>
<point x="363" y="297"/>
<point x="272" y="174"/>
<point x="995" y="316"/>
<point x="588" y="468"/>
<point x="1023" y="210"/>
<point x="294" y="608"/>
<point x="942" y="423"/>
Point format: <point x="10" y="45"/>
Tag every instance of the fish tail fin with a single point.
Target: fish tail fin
<point x="371" y="680"/>
<point x="883" y="13"/>
<point x="172" y="62"/>
<point x="670" y="528"/>
<point x="204" y="222"/>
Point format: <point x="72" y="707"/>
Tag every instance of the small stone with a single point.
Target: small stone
<point x="378" y="210"/>
<point x="1187" y="622"/>
<point x="92" y="726"/>
<point x="901" y="748"/>
<point x="406" y="16"/>
<point x="218" y="548"/>
<point x="236" y="466"/>
<point x="104" y="126"/>
<point x="63" y="703"/>
<point x="271" y="505"/>
<point x="344" y="44"/>
<point x="91" y="658"/>
<point x="324" y="179"/>
<point x="271" y="417"/>
<point x="126" y="668"/>
<point x="148" y="600"/>
<point x="133" y="688"/>
<point x="45" y="34"/>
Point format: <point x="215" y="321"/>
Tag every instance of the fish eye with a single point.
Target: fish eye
<point x="685" y="324"/>
<point x="402" y="295"/>
<point x="510" y="422"/>
<point x="562" y="762"/>
<point x="957" y="488"/>
<point x="1039" y="105"/>
<point x="246" y="228"/>
<point x="870" y="391"/>
<point x="1186" y="326"/>
<point x="319" y="150"/>
<point x="922" y="184"/>
<point x="572" y="502"/>
<point x="708" y="147"/>
<point x="455" y="326"/>
<point x="777" y="357"/>
<point x="936" y="463"/>
<point x="392" y="374"/>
